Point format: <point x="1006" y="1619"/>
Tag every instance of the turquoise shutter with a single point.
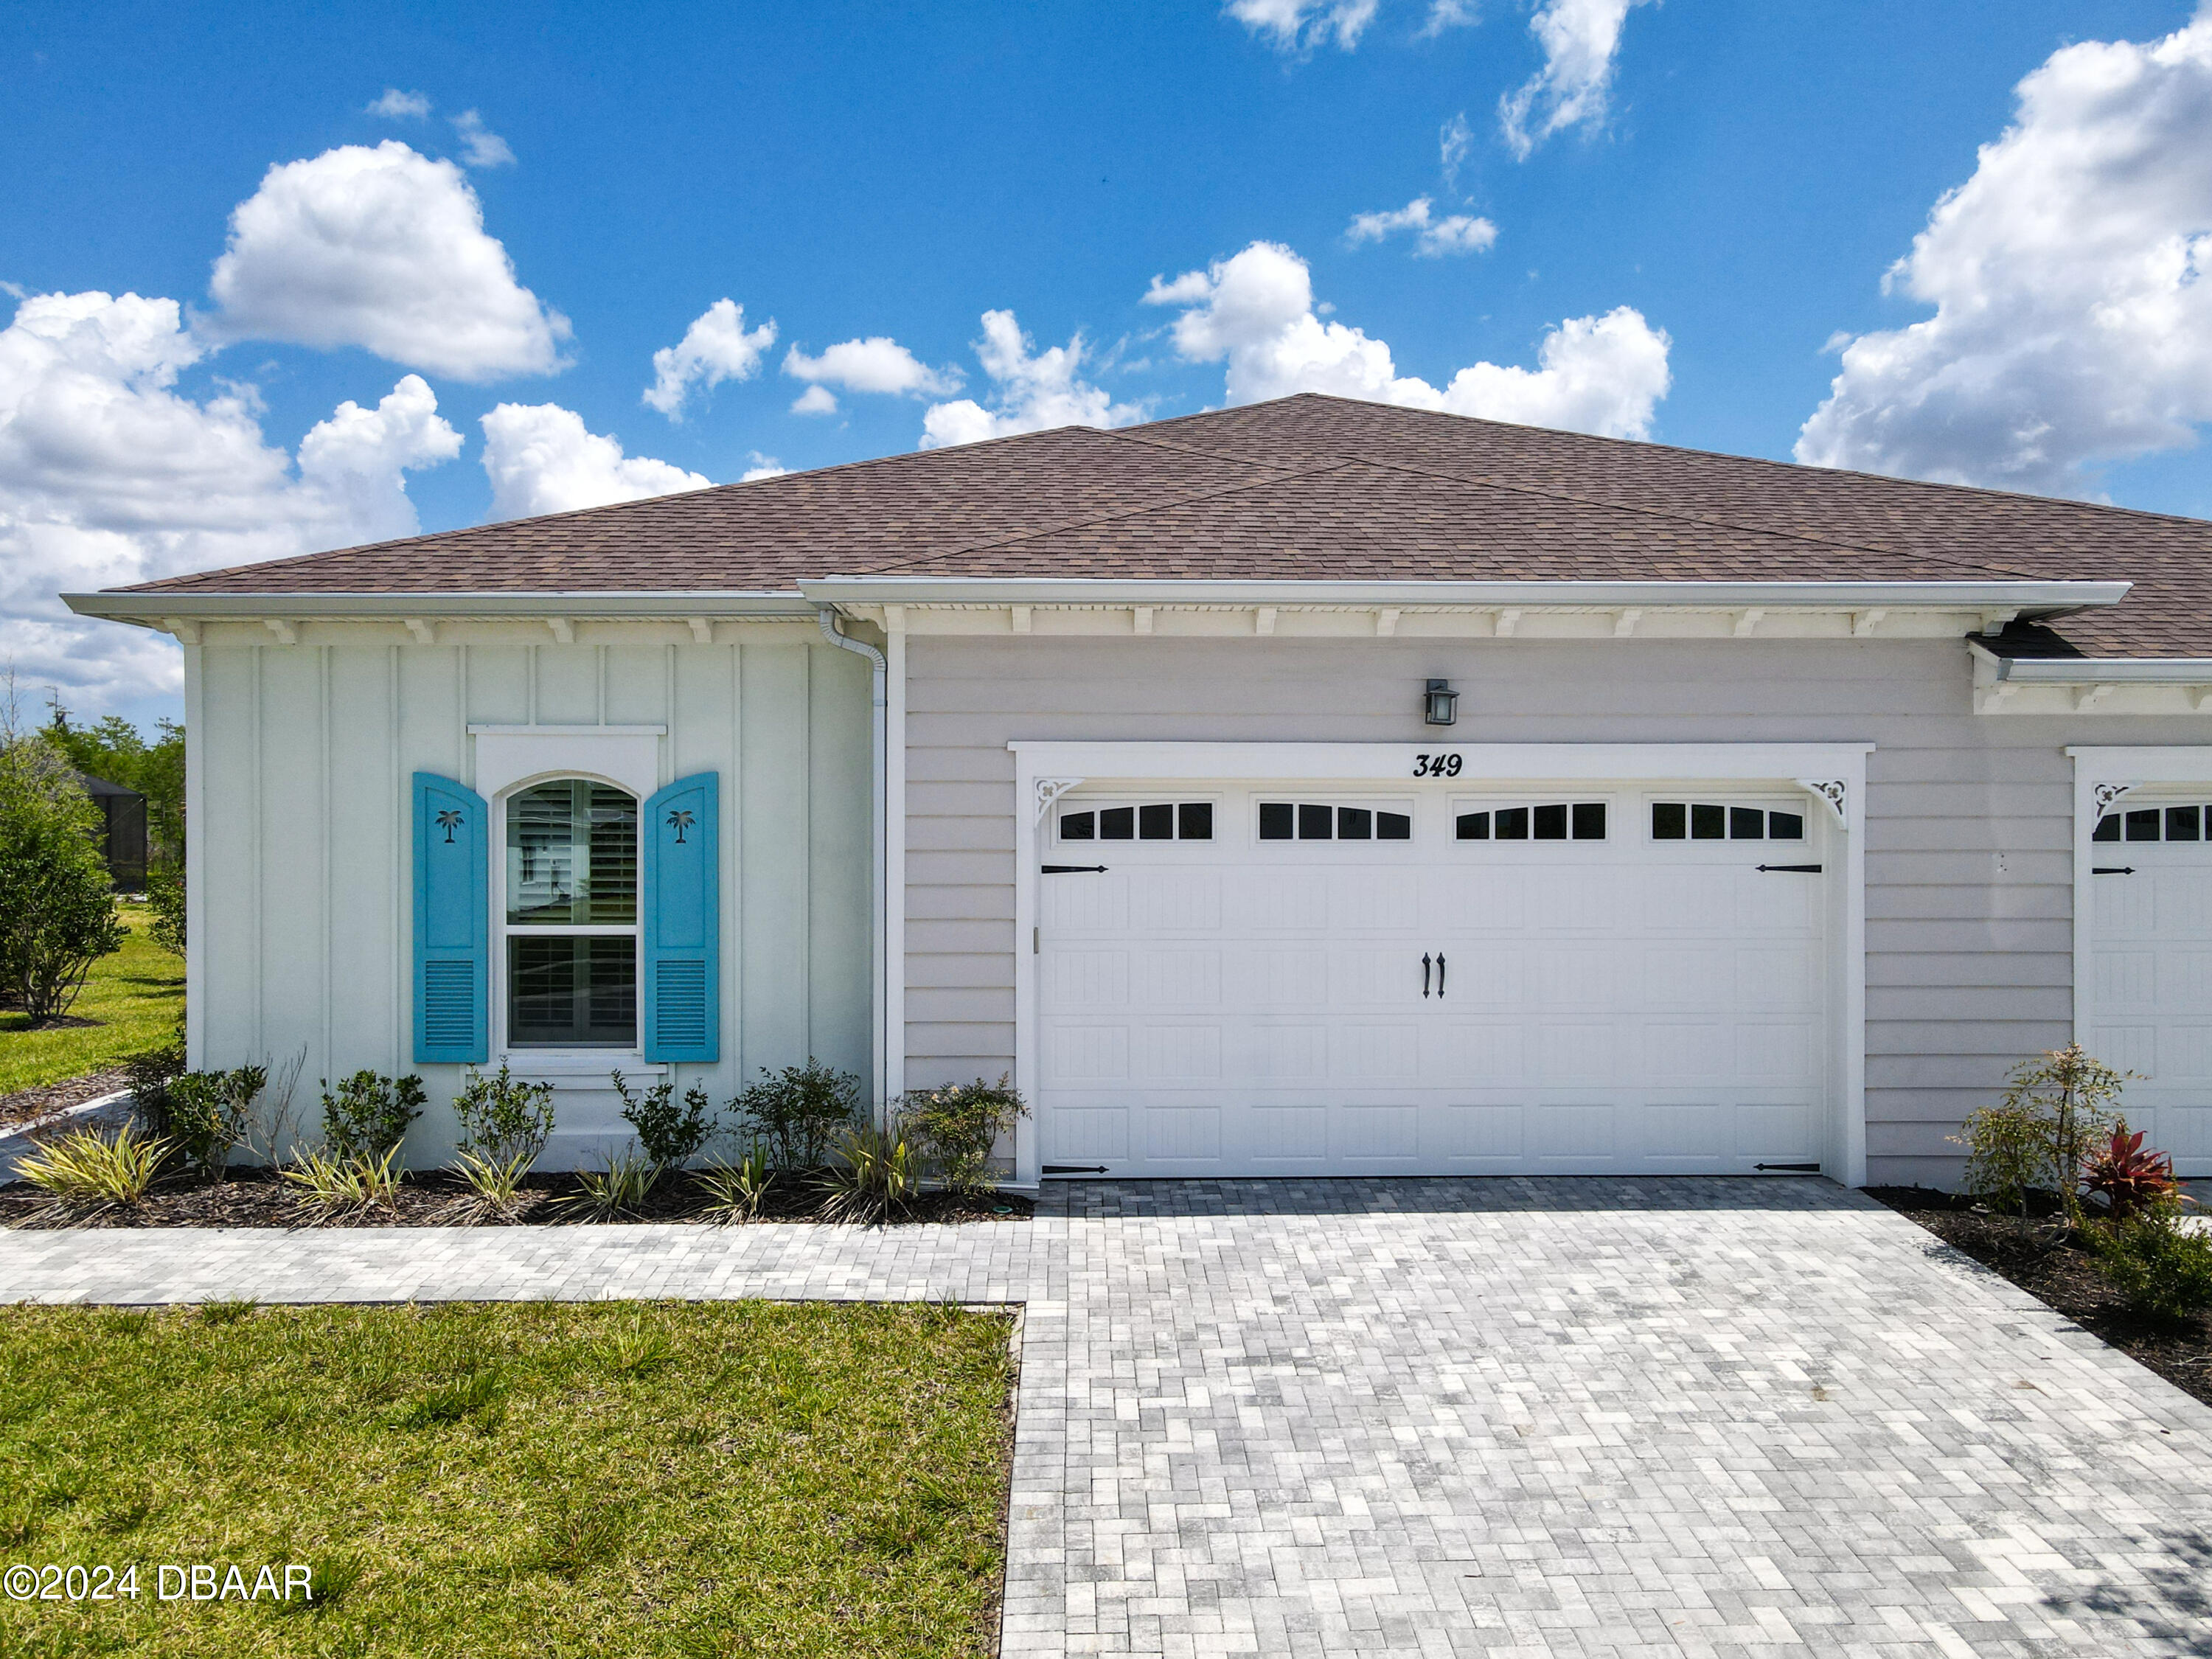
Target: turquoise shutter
<point x="684" y="920"/>
<point x="452" y="923"/>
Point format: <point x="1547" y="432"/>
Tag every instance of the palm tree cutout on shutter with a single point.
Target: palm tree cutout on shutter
<point x="679" y="820"/>
<point x="450" y="820"/>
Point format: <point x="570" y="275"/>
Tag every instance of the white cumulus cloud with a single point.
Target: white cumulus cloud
<point x="815" y="400"/>
<point x="717" y="347"/>
<point x="480" y="146"/>
<point x="1031" y="391"/>
<point x="1298" y="25"/>
<point x="1449" y="14"/>
<point x="1256" y="313"/>
<point x="1456" y="233"/>
<point x="1454" y="140"/>
<point x="1581" y="43"/>
<point x="877" y="364"/>
<point x="2072" y="280"/>
<point x="540" y="458"/>
<point x="397" y="106"/>
<point x="109" y="476"/>
<point x="385" y="249"/>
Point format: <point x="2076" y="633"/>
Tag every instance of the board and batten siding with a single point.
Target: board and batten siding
<point x="1968" y="819"/>
<point x="301" y="924"/>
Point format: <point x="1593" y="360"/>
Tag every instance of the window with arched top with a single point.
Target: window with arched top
<point x="571" y="922"/>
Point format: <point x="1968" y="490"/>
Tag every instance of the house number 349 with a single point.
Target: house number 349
<point x="1435" y="766"/>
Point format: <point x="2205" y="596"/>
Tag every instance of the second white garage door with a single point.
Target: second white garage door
<point x="1289" y="981"/>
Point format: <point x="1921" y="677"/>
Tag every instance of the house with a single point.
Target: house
<point x="1310" y="787"/>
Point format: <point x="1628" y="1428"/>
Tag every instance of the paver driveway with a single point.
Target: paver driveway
<point x="1433" y="1417"/>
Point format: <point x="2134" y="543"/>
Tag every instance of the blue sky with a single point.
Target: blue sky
<point x="1728" y="184"/>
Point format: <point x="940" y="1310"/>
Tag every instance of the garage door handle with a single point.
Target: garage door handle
<point x="1793" y="869"/>
<point x="1424" y="974"/>
<point x="2113" y="870"/>
<point x="1074" y="869"/>
<point x="1440" y="976"/>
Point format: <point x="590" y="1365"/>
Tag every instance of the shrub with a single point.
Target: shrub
<point x="503" y="1118"/>
<point x="165" y="892"/>
<point x="671" y="1135"/>
<point x="2162" y="1269"/>
<point x="368" y="1116"/>
<point x="619" y="1188"/>
<point x="494" y="1183"/>
<point x="734" y="1191"/>
<point x="876" y="1175"/>
<point x="956" y="1128"/>
<point x="2056" y="1109"/>
<point x="210" y="1113"/>
<point x="150" y="1073"/>
<point x="797" y="1113"/>
<point x="2130" y="1179"/>
<point x="88" y="1167"/>
<point x="342" y="1185"/>
<point x="60" y="914"/>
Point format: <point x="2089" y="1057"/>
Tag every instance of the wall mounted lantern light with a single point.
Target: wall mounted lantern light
<point x="1440" y="704"/>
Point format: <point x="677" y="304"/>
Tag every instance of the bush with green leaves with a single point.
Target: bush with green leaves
<point x="796" y="1114"/>
<point x="2163" y="1269"/>
<point x="366" y="1116"/>
<point x="88" y="1167"/>
<point x="671" y="1135"/>
<point x="876" y="1174"/>
<point x="59" y="917"/>
<point x="504" y="1121"/>
<point x="956" y="1126"/>
<point x="151" y="1073"/>
<point x="2057" y="1107"/>
<point x="165" y="893"/>
<point x="210" y="1114"/>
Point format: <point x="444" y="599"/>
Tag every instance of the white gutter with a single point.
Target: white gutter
<point x="878" y="884"/>
<point x="151" y="609"/>
<point x="2019" y="597"/>
<point x="2097" y="671"/>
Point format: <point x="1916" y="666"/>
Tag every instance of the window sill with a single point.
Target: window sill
<point x="562" y="1064"/>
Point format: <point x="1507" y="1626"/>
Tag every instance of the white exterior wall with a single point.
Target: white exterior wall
<point x="1969" y="818"/>
<point x="302" y="887"/>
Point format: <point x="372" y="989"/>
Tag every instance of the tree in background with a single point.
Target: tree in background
<point x="117" y="750"/>
<point x="59" y="914"/>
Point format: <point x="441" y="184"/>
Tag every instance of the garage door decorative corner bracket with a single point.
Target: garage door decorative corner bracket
<point x="1833" y="792"/>
<point x="2105" y="793"/>
<point x="1050" y="790"/>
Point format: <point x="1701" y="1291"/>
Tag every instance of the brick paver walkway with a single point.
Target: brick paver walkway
<point x="1590" y="1418"/>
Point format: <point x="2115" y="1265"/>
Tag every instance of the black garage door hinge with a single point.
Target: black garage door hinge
<point x="1075" y="1169"/>
<point x="1074" y="869"/>
<point x="2111" y="869"/>
<point x="1793" y="869"/>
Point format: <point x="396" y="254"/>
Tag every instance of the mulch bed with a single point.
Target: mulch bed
<point x="25" y="1104"/>
<point x="2062" y="1275"/>
<point x="255" y="1198"/>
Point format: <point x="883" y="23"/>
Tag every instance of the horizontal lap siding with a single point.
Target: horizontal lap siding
<point x="1968" y="830"/>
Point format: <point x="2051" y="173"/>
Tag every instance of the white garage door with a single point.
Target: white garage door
<point x="1282" y="981"/>
<point x="2151" y="895"/>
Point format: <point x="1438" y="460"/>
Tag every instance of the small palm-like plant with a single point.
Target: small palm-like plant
<point x="876" y="1175"/>
<point x="86" y="1167"/>
<point x="494" y="1183"/>
<point x="735" y="1191"/>
<point x="2131" y="1179"/>
<point x="619" y="1189"/>
<point x="345" y="1186"/>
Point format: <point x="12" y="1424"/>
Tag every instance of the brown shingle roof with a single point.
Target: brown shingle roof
<point x="1312" y="487"/>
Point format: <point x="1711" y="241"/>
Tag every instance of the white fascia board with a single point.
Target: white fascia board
<point x="149" y="609"/>
<point x="2022" y="597"/>
<point x="1484" y="762"/>
<point x="2098" y="671"/>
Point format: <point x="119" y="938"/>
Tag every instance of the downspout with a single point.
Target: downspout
<point x="879" y="998"/>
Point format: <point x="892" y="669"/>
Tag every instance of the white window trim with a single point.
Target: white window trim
<point x="1043" y="771"/>
<point x="510" y="759"/>
<point x="2158" y="773"/>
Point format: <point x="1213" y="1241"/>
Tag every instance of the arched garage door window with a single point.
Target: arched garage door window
<point x="571" y="924"/>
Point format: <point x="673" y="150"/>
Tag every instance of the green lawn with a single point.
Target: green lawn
<point x="136" y="995"/>
<point x="517" y="1479"/>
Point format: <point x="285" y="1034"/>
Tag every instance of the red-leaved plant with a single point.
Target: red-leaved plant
<point x="2131" y="1179"/>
